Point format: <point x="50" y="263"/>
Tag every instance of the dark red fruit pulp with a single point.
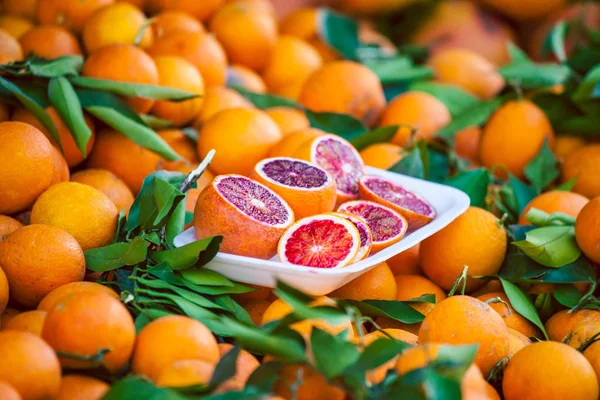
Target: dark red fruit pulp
<point x="341" y="162"/>
<point x="320" y="244"/>
<point x="396" y="194"/>
<point x="295" y="173"/>
<point x="383" y="223"/>
<point x="253" y="200"/>
<point x="362" y="230"/>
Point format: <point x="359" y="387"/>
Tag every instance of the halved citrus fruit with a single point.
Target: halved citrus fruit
<point x="387" y="226"/>
<point x="417" y="211"/>
<point x="338" y="157"/>
<point x="308" y="189"/>
<point x="366" y="237"/>
<point x="250" y="216"/>
<point x="322" y="241"/>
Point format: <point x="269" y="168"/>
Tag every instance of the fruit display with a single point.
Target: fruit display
<point x="299" y="199"/>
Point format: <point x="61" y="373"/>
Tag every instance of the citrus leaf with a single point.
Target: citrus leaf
<point x="89" y="98"/>
<point x="542" y="170"/>
<point x="474" y="183"/>
<point x="377" y="353"/>
<point x="339" y="32"/>
<point x="61" y="66"/>
<point x="551" y="246"/>
<point x="567" y="295"/>
<point x="393" y="309"/>
<point x="523" y="192"/>
<point x="202" y="276"/>
<point x="163" y="272"/>
<point x="195" y="254"/>
<point x="66" y="103"/>
<point x="262" y="101"/>
<point x="589" y="88"/>
<point x="135" y="387"/>
<point x="475" y="115"/>
<point x="176" y="223"/>
<point x="522" y="304"/>
<point x="226" y="368"/>
<point x="379" y="135"/>
<point x="535" y="76"/>
<point x="457" y="100"/>
<point x="332" y="354"/>
<point x="116" y="255"/>
<point x="397" y="69"/>
<point x="154" y="122"/>
<point x="517" y="55"/>
<point x="343" y="125"/>
<point x="567" y="186"/>
<point x="190" y="296"/>
<point x="411" y="164"/>
<point x="127" y="89"/>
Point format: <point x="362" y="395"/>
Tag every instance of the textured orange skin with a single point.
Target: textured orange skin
<point x="170" y="21"/>
<point x="466" y="320"/>
<point x="304" y="203"/>
<point x="14" y="25"/>
<point x="291" y="142"/>
<point x="406" y="263"/>
<point x="29" y="251"/>
<point x="581" y="334"/>
<point x="50" y="42"/>
<point x="218" y="99"/>
<point x="180" y="338"/>
<point x="124" y="158"/>
<point x="7" y="392"/>
<point x="4" y="292"/>
<point x="106" y="182"/>
<point x="592" y="354"/>
<point x="79" y="387"/>
<point x="344" y="87"/>
<point x="199" y="48"/>
<point x="561" y="323"/>
<point x="99" y="30"/>
<point x="242" y="235"/>
<point x="419" y="110"/>
<point x="72" y="14"/>
<point x="247" y="32"/>
<point x="127" y="64"/>
<point x="513" y="136"/>
<point x="62" y="292"/>
<point x="10" y="49"/>
<point x="466" y="143"/>
<point x="69" y="147"/>
<point x="29" y="365"/>
<point x="565" y="145"/>
<point x="512" y="319"/>
<point x="245" y="365"/>
<point x="8" y="225"/>
<point x="182" y="145"/>
<point x="376" y="284"/>
<point x="313" y="385"/>
<point x="26" y="166"/>
<point x="587" y="230"/>
<point x="182" y="373"/>
<point x="61" y="168"/>
<point x="241" y="136"/>
<point x="256" y="309"/>
<point x="288" y="119"/>
<point x="585" y="164"/>
<point x="516" y="341"/>
<point x="473" y="239"/>
<point x="201" y="10"/>
<point x="83" y="323"/>
<point x="238" y="75"/>
<point x="29" y="321"/>
<point x="555" y="201"/>
<point x="549" y="371"/>
<point x="193" y="194"/>
<point x="381" y="155"/>
<point x="24" y="8"/>
<point x="83" y="211"/>
<point x="525" y="10"/>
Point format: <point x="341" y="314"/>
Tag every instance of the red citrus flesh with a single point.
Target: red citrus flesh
<point x="322" y="241"/>
<point x="294" y="173"/>
<point x="387" y="226"/>
<point x="366" y="238"/>
<point x="413" y="207"/>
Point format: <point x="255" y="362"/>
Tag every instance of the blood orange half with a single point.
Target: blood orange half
<point x="322" y="241"/>
<point x="250" y="216"/>
<point x="417" y="211"/>
<point x="338" y="157"/>
<point x="307" y="188"/>
<point x="387" y="226"/>
<point x="366" y="238"/>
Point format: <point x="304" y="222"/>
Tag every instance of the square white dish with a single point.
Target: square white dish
<point x="448" y="202"/>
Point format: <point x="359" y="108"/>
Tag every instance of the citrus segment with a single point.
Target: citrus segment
<point x="366" y="237"/>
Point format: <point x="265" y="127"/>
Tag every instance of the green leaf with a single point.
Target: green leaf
<point x="65" y="101"/>
<point x="116" y="255"/>
<point x="262" y="101"/>
<point x="339" y="32"/>
<point x="332" y="354"/>
<point x="523" y="192"/>
<point x="540" y="218"/>
<point x="163" y="272"/>
<point x="188" y="295"/>
<point x="567" y="186"/>
<point x="475" y="115"/>
<point x="61" y="66"/>
<point x="154" y="122"/>
<point x="474" y="183"/>
<point x="379" y="135"/>
<point x="127" y="89"/>
<point x="377" y="353"/>
<point x="397" y="310"/>
<point x="195" y="254"/>
<point x="93" y="98"/>
<point x="555" y="42"/>
<point x="567" y="295"/>
<point x="202" y="276"/>
<point x="517" y="55"/>
<point x="176" y="223"/>
<point x="535" y="76"/>
<point x="542" y="170"/>
<point x="522" y="304"/>
<point x="457" y="100"/>
<point x="551" y="246"/>
<point x="136" y="387"/>
<point x="411" y="164"/>
<point x="343" y="125"/>
<point x="438" y="165"/>
<point x="226" y="368"/>
<point x="397" y="69"/>
<point x="588" y="88"/>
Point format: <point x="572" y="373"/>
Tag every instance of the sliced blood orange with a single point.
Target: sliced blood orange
<point x="417" y="211"/>
<point x="366" y="238"/>
<point x="322" y="241"/>
<point x="338" y="157"/>
<point x="387" y="226"/>
<point x="307" y="188"/>
<point x="250" y="216"/>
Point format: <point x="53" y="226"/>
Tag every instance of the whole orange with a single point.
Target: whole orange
<point x="83" y="211"/>
<point x="50" y="41"/>
<point x="241" y="136"/>
<point x="29" y="251"/>
<point x="407" y="262"/>
<point x="28" y="321"/>
<point x="247" y="32"/>
<point x="181" y="338"/>
<point x="592" y="354"/>
<point x="245" y="365"/>
<point x="376" y="284"/>
<point x="170" y="21"/>
<point x="256" y="309"/>
<point x="474" y="239"/>
<point x="15" y="25"/>
<point x="344" y="87"/>
<point x="584" y="164"/>
<point x="73" y="387"/>
<point x="201" y="10"/>
<point x="513" y="136"/>
<point x="291" y="142"/>
<point x="240" y="76"/>
<point x="26" y="166"/>
<point x="288" y="119"/>
<point x="123" y="63"/>
<point x="512" y="319"/>
<point x="466" y="143"/>
<point x="413" y="286"/>
<point x="381" y="155"/>
<point x="313" y="385"/>
<point x="72" y="14"/>
<point x="24" y="8"/>
<point x="555" y="201"/>
<point x="582" y="334"/>
<point x="7" y="392"/>
<point x="10" y="49"/>
<point x="106" y="182"/>
<point x="60" y="293"/>
<point x="218" y="99"/>
<point x="182" y="145"/>
<point x="84" y="323"/>
<point x="199" y="48"/>
<point x="549" y="371"/>
<point x="587" y="230"/>
<point x="99" y="29"/>
<point x="183" y="373"/>
<point x="8" y="225"/>
<point x="561" y="323"/>
<point x="29" y="365"/>
<point x="516" y="341"/>
<point x="415" y="110"/>
<point x="69" y="147"/>
<point x="466" y="320"/>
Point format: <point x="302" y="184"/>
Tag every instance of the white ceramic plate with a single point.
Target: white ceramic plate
<point x="448" y="202"/>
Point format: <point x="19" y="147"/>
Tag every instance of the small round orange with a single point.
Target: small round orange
<point x="291" y="142"/>
<point x="288" y="119"/>
<point x="72" y="14"/>
<point x="415" y="110"/>
<point x="80" y="387"/>
<point x="28" y="321"/>
<point x="555" y="201"/>
<point x="512" y="318"/>
<point x="245" y="365"/>
<point x="561" y="323"/>
<point x="29" y="251"/>
<point x="15" y="25"/>
<point x="582" y="334"/>
<point x="587" y="230"/>
<point x="50" y="41"/>
<point x="183" y="373"/>
<point x="466" y="143"/>
<point x="516" y="341"/>
<point x="10" y="49"/>
<point x="218" y="99"/>
<point x="170" y="21"/>
<point x="200" y="10"/>
<point x="381" y="155"/>
<point x="182" y="145"/>
<point x="181" y="338"/>
<point x="256" y="309"/>
<point x="106" y="182"/>
<point x="241" y="76"/>
<point x="60" y="293"/>
<point x="584" y="164"/>
<point x="413" y="286"/>
<point x="241" y="136"/>
<point x="565" y="145"/>
<point x="549" y="371"/>
<point x="8" y="225"/>
<point x="376" y="284"/>
<point x="407" y="262"/>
